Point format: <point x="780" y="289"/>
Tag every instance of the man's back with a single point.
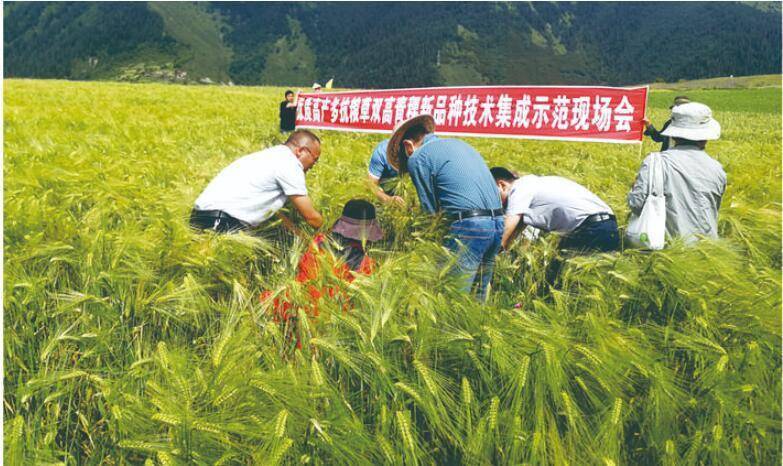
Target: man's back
<point x="253" y="187"/>
<point x="694" y="184"/>
<point x="553" y="203"/>
<point x="460" y="180"/>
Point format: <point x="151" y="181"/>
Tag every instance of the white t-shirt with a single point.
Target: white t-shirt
<point x="553" y="203"/>
<point x="254" y="187"/>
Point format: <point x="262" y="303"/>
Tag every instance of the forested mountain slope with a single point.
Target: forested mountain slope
<point x="391" y="44"/>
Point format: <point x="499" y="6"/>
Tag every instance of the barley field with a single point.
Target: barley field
<point x="130" y="339"/>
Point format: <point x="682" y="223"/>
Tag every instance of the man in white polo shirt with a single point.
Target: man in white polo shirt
<point x="553" y="203"/>
<point x="254" y="187"/>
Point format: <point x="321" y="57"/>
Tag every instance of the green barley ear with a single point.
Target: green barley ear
<point x="14" y="444"/>
<point x="467" y="401"/>
<point x="165" y="459"/>
<point x="617" y="411"/>
<point x="492" y="414"/>
<point x="406" y="434"/>
<point x="280" y="423"/>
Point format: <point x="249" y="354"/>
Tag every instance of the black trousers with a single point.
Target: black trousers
<point x="216" y="220"/>
<point x="593" y="236"/>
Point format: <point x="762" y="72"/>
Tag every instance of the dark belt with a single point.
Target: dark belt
<point x="475" y="213"/>
<point x="213" y="214"/>
<point x="216" y="215"/>
<point x="597" y="218"/>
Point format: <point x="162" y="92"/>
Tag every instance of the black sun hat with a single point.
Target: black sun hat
<point x="358" y="221"/>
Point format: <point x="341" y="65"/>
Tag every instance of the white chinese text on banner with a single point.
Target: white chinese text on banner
<point x="598" y="114"/>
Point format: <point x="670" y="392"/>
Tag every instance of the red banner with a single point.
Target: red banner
<point x="598" y="114"/>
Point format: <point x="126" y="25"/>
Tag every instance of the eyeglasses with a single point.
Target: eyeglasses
<point x="312" y="156"/>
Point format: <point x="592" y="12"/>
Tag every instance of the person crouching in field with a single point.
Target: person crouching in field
<point x="451" y="177"/>
<point x="554" y="203"/>
<point x="344" y="251"/>
<point x="693" y="182"/>
<point x="254" y="187"/>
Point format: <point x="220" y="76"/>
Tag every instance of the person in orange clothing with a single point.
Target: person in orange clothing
<point x="344" y="249"/>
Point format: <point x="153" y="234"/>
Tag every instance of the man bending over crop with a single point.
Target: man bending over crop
<point x="254" y="187"/>
<point x="553" y="203"/>
<point x="451" y="177"/>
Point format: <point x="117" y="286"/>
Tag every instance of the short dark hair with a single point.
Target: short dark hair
<point x="289" y="91"/>
<point x="503" y="174"/>
<point x="688" y="142"/>
<point x="402" y="159"/>
<point x="302" y="136"/>
<point x="415" y="133"/>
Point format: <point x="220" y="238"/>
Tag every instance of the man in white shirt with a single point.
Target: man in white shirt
<point x="553" y="203"/>
<point x="254" y="187"/>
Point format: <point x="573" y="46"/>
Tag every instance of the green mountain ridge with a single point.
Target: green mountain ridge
<point x="200" y="30"/>
<point x="392" y="44"/>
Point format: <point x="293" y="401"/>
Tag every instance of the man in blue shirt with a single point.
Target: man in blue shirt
<point x="381" y="173"/>
<point x="452" y="178"/>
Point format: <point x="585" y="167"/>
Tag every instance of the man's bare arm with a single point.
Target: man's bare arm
<point x="375" y="185"/>
<point x="511" y="225"/>
<point x="305" y="207"/>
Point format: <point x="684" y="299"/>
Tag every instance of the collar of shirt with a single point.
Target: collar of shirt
<point x="427" y="139"/>
<point x="298" y="162"/>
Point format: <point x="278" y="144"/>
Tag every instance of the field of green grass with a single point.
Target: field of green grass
<point x="726" y="82"/>
<point x="130" y="339"/>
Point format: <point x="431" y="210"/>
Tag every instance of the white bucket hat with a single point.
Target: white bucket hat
<point x="693" y="121"/>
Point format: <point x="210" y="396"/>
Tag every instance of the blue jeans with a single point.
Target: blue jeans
<point x="476" y="241"/>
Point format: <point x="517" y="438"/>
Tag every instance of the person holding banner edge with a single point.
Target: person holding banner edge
<point x="451" y="177"/>
<point x="658" y="136"/>
<point x="288" y="112"/>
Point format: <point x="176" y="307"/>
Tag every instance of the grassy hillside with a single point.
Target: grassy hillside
<point x="190" y="24"/>
<point x="291" y="59"/>
<point x="129" y="338"/>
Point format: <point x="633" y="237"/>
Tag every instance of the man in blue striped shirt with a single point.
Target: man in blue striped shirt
<point x="451" y="177"/>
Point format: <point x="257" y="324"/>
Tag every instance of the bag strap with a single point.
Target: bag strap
<point x="655" y="185"/>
